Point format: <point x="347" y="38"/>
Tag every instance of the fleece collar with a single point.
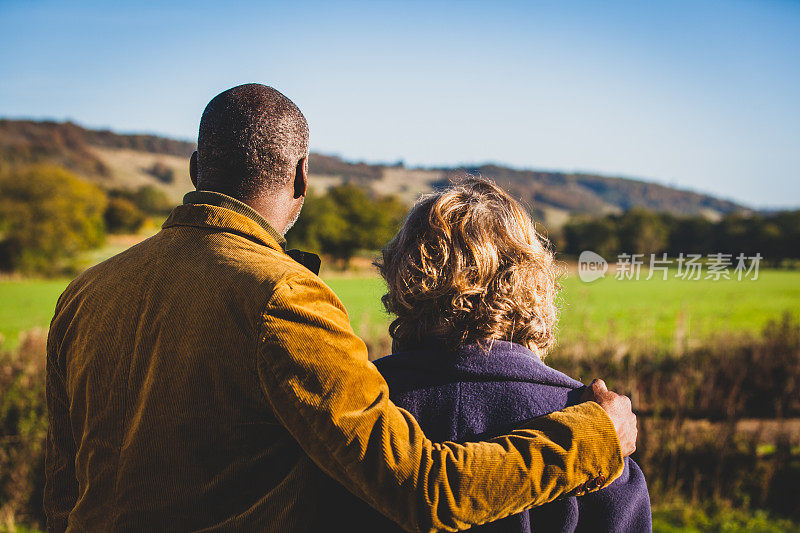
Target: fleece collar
<point x="484" y="361"/>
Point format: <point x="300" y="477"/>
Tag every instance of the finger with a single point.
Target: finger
<point x="599" y="385"/>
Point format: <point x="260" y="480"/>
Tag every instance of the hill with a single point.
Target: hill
<point x="116" y="160"/>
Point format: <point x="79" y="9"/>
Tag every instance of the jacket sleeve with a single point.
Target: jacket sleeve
<point x="61" y="485"/>
<point x="318" y="381"/>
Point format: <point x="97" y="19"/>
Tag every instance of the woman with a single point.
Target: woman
<point x="473" y="287"/>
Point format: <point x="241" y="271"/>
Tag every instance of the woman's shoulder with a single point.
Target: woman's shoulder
<point x="495" y="385"/>
<point x="510" y="361"/>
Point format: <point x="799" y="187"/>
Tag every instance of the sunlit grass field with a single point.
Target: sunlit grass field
<point x="658" y="311"/>
<point x="26" y="305"/>
<point x="654" y="312"/>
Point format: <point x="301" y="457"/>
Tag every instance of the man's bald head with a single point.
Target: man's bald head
<point x="251" y="140"/>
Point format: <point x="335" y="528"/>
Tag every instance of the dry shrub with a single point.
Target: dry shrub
<point x="23" y="431"/>
<point x="718" y="423"/>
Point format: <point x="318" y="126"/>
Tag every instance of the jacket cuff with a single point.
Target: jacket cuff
<point x="600" y="454"/>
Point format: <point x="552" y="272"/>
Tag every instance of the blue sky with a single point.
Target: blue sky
<point x="702" y="95"/>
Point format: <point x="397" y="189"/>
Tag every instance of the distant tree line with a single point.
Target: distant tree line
<point x="775" y="236"/>
<point x="49" y="216"/>
<point x="319" y="164"/>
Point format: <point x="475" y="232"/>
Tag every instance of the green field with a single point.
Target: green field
<point x="27" y="305"/>
<point x="654" y="311"/>
<point x="650" y="312"/>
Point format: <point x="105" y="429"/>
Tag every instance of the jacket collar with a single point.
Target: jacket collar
<point x="224" y="201"/>
<point x="213" y="210"/>
<point x="220" y="218"/>
<point x="493" y="360"/>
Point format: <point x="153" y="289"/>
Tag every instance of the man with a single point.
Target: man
<point x="204" y="379"/>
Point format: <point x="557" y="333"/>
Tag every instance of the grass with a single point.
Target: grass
<point x="690" y="518"/>
<point x="630" y="311"/>
<point x="656" y="311"/>
<point x="26" y="305"/>
<point x="361" y="297"/>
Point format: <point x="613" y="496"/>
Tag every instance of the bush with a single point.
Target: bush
<point x="148" y="199"/>
<point x="122" y="216"/>
<point x="693" y="409"/>
<point x="345" y="220"/>
<point x="319" y="227"/>
<point x="162" y="172"/>
<point x="152" y="200"/>
<point x="729" y="378"/>
<point x="47" y="216"/>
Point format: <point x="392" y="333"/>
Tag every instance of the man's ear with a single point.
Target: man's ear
<point x="193" y="168"/>
<point x="301" y="178"/>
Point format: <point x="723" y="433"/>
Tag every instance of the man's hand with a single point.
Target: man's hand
<point x="618" y="409"/>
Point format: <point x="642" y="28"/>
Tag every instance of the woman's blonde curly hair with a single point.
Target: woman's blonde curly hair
<point x="468" y="265"/>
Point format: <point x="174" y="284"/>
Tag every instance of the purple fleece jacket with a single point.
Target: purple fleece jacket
<point x="479" y="391"/>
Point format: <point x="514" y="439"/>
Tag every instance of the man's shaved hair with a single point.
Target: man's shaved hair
<point x="251" y="139"/>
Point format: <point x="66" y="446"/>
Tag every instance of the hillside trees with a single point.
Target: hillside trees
<point x="642" y="231"/>
<point x="775" y="236"/>
<point x="345" y="220"/>
<point x="598" y="235"/>
<point x="47" y="216"/>
<point x="27" y="142"/>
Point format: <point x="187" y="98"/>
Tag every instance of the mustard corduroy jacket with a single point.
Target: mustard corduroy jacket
<point x="204" y="380"/>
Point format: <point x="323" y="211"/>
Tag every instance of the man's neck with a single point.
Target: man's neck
<point x="268" y="208"/>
